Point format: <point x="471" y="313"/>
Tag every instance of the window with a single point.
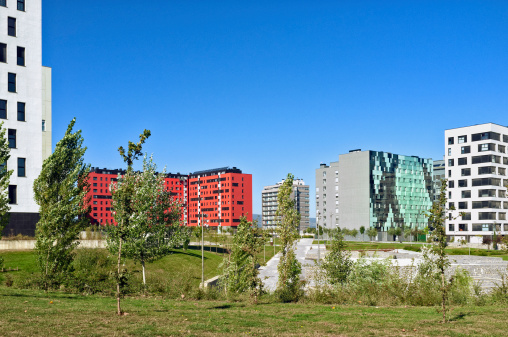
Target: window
<point x="465" y="149"/>
<point x="501" y="148"/>
<point x="11" y="26"/>
<point x="449" y="173"/>
<point x="486" y="216"/>
<point x="21" y="167"/>
<point x="502" y="216"/>
<point x="486" y="159"/>
<point x="43" y="125"/>
<point x="462" y="161"/>
<point x="451" y="184"/>
<point x="3" y="109"/>
<point x="478" y="227"/>
<point x="3" y="52"/>
<point x="11" y="82"/>
<point x="449" y="151"/>
<point x="13" y="194"/>
<point x="463" y="183"/>
<point x="451" y="205"/>
<point x="463" y="205"/>
<point x="21" y="111"/>
<point x="21" y="5"/>
<point x="462" y="227"/>
<point x="486" y="147"/>
<point x="451" y="227"/>
<point x="486" y="193"/>
<point x="487" y="204"/>
<point x="466" y="216"/>
<point x="462" y="139"/>
<point x="487" y="170"/>
<point x="485" y="136"/>
<point x="450" y="162"/>
<point x="12" y="138"/>
<point x="486" y="182"/>
<point x="465" y="172"/>
<point x="3" y="3"/>
<point x="21" y="56"/>
<point x="466" y="194"/>
<point x="450" y="140"/>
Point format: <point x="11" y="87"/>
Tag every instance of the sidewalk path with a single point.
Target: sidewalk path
<point x="269" y="274"/>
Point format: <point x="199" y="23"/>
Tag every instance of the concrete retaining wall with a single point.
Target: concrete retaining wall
<point x="30" y="244"/>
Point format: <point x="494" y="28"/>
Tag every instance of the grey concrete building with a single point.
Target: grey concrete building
<point x="269" y="204"/>
<point x="374" y="189"/>
<point x="438" y="175"/>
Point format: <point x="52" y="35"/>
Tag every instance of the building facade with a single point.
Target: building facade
<point x="375" y="189"/>
<point x="221" y="195"/>
<point x="25" y="107"/>
<point x="327" y="195"/>
<point x="438" y="176"/>
<point x="300" y="194"/>
<point x="476" y="163"/>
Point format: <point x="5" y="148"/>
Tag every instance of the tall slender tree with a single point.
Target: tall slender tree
<point x="60" y="191"/>
<point x="122" y="192"/>
<point x="289" y="285"/>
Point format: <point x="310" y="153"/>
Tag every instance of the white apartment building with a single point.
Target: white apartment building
<point x="300" y="195"/>
<point x="476" y="163"/>
<point x="25" y="106"/>
<point x="327" y="195"/>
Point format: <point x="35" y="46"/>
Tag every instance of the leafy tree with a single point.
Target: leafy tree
<point x="437" y="216"/>
<point x="353" y="232"/>
<point x="154" y="225"/>
<point x="362" y="231"/>
<point x="4" y="182"/>
<point x="122" y="194"/>
<point x="288" y="285"/>
<point x="372" y="233"/>
<point x="60" y="191"/>
<point x="396" y="231"/>
<point x="337" y="264"/>
<point x="239" y="269"/>
<point x="487" y="240"/>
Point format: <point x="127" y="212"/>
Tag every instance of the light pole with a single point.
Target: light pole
<point x="318" y="248"/>
<point x="202" y="252"/>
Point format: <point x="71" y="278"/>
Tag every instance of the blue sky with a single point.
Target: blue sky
<point x="273" y="87"/>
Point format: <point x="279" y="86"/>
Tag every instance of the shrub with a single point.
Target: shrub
<point x="91" y="274"/>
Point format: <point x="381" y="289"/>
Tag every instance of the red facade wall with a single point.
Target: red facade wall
<point x="223" y="196"/>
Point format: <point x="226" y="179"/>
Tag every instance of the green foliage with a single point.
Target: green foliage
<point x="362" y="230"/>
<point x="240" y="267"/>
<point x="153" y="218"/>
<point x="4" y="179"/>
<point x="372" y="233"/>
<point x="337" y="264"/>
<point x="60" y="191"/>
<point x="289" y="287"/>
<point x="134" y="149"/>
<point x="437" y="215"/>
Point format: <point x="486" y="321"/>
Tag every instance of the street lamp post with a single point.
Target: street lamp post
<point x="318" y="247"/>
<point x="202" y="252"/>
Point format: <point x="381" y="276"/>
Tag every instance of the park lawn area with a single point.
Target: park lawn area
<point x="30" y="313"/>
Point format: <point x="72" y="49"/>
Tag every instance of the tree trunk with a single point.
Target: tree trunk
<point x="144" y="278"/>
<point x="444" y="295"/>
<point x="119" y="310"/>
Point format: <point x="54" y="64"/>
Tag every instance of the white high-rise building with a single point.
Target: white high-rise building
<point x="25" y="106"/>
<point x="476" y="163"/>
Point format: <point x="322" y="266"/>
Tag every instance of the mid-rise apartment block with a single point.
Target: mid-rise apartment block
<point x="374" y="189"/>
<point x="218" y="196"/>
<point x="25" y="107"/>
<point x="300" y="194"/>
<point x="476" y="164"/>
<point x="438" y="176"/>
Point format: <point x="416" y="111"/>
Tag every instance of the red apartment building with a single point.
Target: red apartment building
<point x="220" y="196"/>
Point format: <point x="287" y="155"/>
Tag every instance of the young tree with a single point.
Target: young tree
<point x="337" y="264"/>
<point x="396" y="231"/>
<point x="437" y="216"/>
<point x="362" y="231"/>
<point x="122" y="204"/>
<point x="154" y="224"/>
<point x="372" y="233"/>
<point x="239" y="269"/>
<point x="60" y="191"/>
<point x="4" y="182"/>
<point x="288" y="285"/>
<point x="353" y="232"/>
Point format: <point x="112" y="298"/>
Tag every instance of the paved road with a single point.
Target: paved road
<point x="268" y="273"/>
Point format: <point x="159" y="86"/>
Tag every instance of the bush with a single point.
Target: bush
<point x="92" y="268"/>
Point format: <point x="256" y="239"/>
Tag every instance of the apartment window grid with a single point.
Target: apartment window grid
<point x="485" y="163"/>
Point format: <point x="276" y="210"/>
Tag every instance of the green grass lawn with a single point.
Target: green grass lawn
<point x="31" y="313"/>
